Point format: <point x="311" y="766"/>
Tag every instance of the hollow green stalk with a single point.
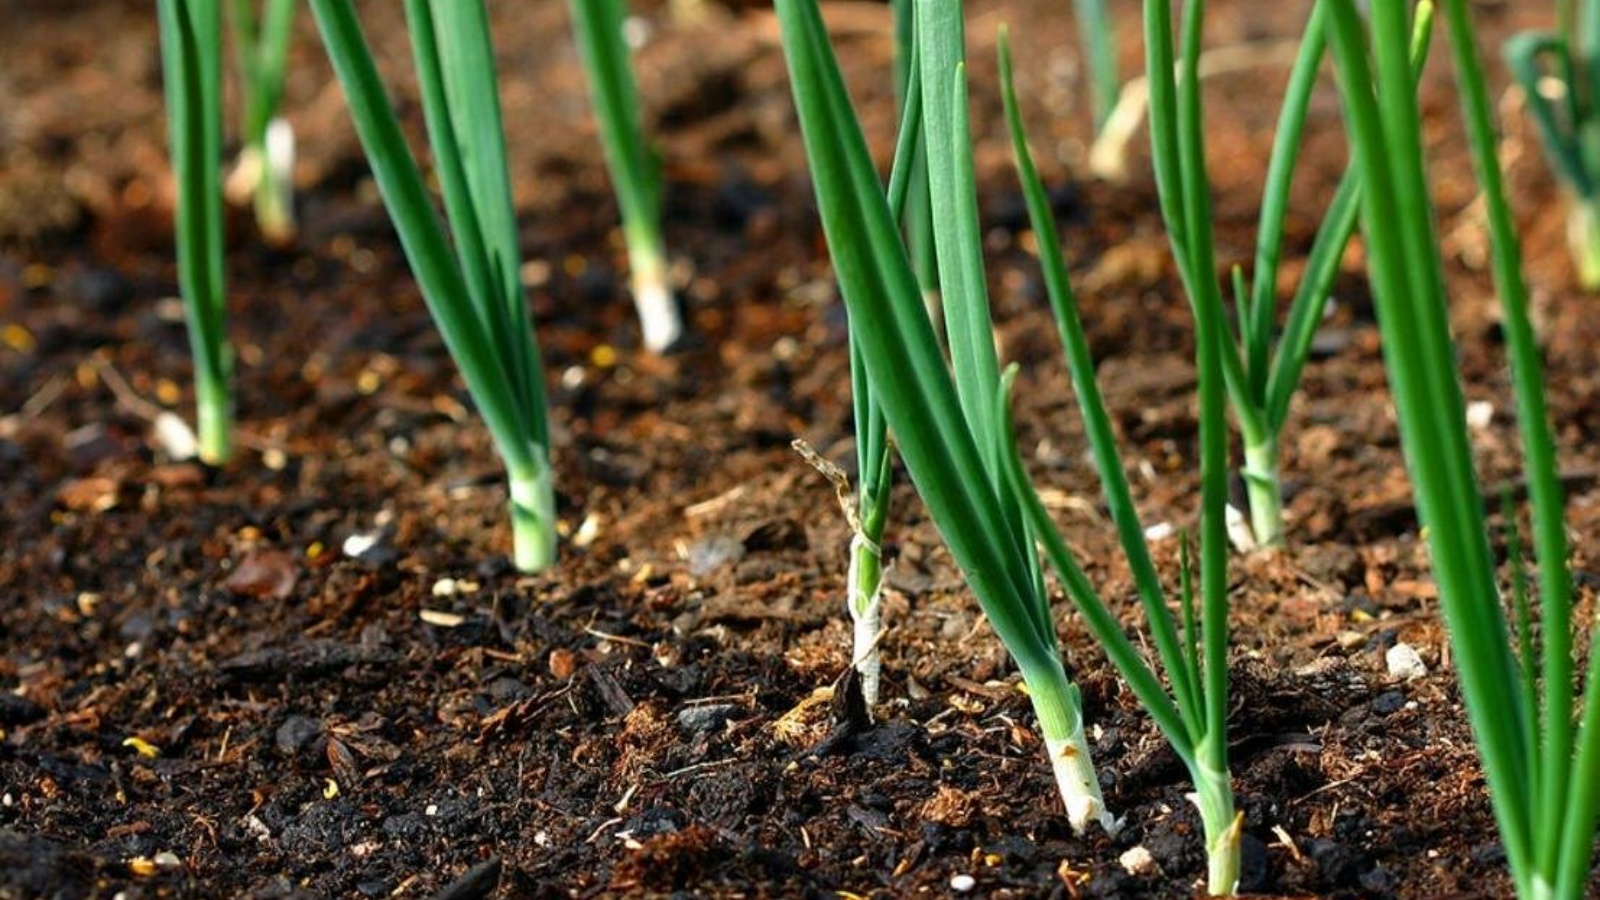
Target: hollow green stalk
<point x="1192" y="715"/>
<point x="1097" y="38"/>
<point x="1543" y="771"/>
<point x="1178" y="147"/>
<point x="261" y="45"/>
<point x="470" y="279"/>
<point x="917" y="218"/>
<point x="635" y="170"/>
<point x="191" y="57"/>
<point x="1568" y="121"/>
<point x="969" y="333"/>
<point x="944" y="450"/>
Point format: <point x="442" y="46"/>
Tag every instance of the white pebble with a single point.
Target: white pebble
<point x="175" y="438"/>
<point x="1405" y="662"/>
<point x="1479" y="414"/>
<point x="356" y="545"/>
<point x="962" y="883"/>
<point x="1138" y="861"/>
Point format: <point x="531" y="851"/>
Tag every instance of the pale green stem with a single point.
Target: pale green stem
<point x="214" y="418"/>
<point x="1583" y="239"/>
<point x="1222" y="825"/>
<point x="1263" y="486"/>
<point x="1060" y="711"/>
<point x="865" y="582"/>
<point x="533" y="516"/>
<point x="274" y="188"/>
<point x="659" y="320"/>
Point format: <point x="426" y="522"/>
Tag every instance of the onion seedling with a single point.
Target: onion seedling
<point x="635" y="169"/>
<point x="867" y="507"/>
<point x="945" y="447"/>
<point x="470" y="279"/>
<point x="1559" y="72"/>
<point x="1193" y="716"/>
<point x="1263" y="368"/>
<point x="191" y="59"/>
<point x="874" y="458"/>
<point x="1539" y="742"/>
<point x="265" y="170"/>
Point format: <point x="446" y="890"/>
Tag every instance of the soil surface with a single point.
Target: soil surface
<point x="311" y="673"/>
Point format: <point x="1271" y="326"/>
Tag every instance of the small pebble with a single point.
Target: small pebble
<point x="962" y="883"/>
<point x="1350" y="640"/>
<point x="1388" y="702"/>
<point x="712" y="553"/>
<point x="1405" y="662"/>
<point x="359" y="544"/>
<point x="449" y="587"/>
<point x="296" y="732"/>
<point x="707" y="718"/>
<point x="174" y="437"/>
<point x="1138" y="861"/>
<point x="1479" y="414"/>
<point x="274" y="459"/>
<point x="264" y="574"/>
<point x="563" y="663"/>
<point x="1378" y="881"/>
<point x="1159" y="531"/>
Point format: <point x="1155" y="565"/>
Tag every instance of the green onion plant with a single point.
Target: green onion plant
<point x="954" y="432"/>
<point x="1264" y="366"/>
<point x="867" y="506"/>
<point x="946" y="439"/>
<point x="1537" y="735"/>
<point x="1559" y="72"/>
<point x="1192" y="715"/>
<point x="874" y="459"/>
<point x="635" y="170"/>
<point x="191" y="59"/>
<point x="265" y="169"/>
<point x="470" y="277"/>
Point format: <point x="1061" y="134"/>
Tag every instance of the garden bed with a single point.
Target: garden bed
<point x="313" y="672"/>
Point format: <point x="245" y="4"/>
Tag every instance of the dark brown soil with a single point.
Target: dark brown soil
<point x="203" y="695"/>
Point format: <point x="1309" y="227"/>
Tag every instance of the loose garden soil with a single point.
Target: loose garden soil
<point x="207" y="691"/>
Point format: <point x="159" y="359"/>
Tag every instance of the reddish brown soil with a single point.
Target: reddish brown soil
<point x="645" y="720"/>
